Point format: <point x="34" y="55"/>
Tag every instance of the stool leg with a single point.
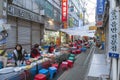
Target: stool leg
<point x="51" y="75"/>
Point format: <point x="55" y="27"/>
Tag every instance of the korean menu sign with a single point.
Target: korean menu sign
<point x="64" y="10"/>
<point x="113" y="32"/>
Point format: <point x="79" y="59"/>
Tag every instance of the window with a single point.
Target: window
<point x="35" y="4"/>
<point x="29" y="4"/>
<point x="18" y="2"/>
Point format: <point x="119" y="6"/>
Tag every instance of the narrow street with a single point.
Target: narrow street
<point x="81" y="67"/>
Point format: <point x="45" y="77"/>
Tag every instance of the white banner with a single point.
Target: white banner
<point x="113" y="32"/>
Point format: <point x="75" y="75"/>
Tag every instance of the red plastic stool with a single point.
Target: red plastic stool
<point x="64" y="65"/>
<point x="55" y="65"/>
<point x="78" y="47"/>
<point x="70" y="63"/>
<point x="73" y="51"/>
<point x="78" y="51"/>
<point x="40" y="77"/>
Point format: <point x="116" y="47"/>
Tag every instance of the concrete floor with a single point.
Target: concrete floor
<point x="88" y="66"/>
<point x="80" y="69"/>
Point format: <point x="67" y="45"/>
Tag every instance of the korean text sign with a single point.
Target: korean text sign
<point x="64" y="10"/>
<point x="100" y="7"/>
<point x="113" y="31"/>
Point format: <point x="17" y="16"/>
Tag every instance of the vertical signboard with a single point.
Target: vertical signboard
<point x="100" y="12"/>
<point x="114" y="33"/>
<point x="100" y="7"/>
<point x="64" y="10"/>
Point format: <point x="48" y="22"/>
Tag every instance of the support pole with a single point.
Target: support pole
<point x="114" y="60"/>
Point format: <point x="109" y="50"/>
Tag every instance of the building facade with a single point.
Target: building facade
<point x="74" y="13"/>
<point x="29" y="21"/>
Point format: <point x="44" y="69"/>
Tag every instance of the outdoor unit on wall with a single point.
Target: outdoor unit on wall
<point x="42" y="12"/>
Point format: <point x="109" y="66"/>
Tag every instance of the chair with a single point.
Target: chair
<point x="55" y="65"/>
<point x="52" y="71"/>
<point x="40" y="77"/>
<point x="71" y="58"/>
<point x="44" y="71"/>
<point x="72" y="55"/>
<point x="70" y="63"/>
<point x="64" y="65"/>
<point x="78" y="51"/>
<point x="73" y="51"/>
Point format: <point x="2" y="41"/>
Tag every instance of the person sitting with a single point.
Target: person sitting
<point x="19" y="54"/>
<point x="35" y="53"/>
<point x="51" y="48"/>
<point x="3" y="57"/>
<point x="75" y="43"/>
<point x="70" y="44"/>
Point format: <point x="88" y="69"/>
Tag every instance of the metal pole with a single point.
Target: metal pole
<point x="114" y="69"/>
<point x="83" y="18"/>
<point x="119" y="69"/>
<point x="114" y="61"/>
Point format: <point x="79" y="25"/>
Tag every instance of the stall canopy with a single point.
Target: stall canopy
<point x="82" y="31"/>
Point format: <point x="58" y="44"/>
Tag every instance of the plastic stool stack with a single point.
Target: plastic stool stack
<point x="78" y="51"/>
<point x="52" y="71"/>
<point x="64" y="65"/>
<point x="55" y="65"/>
<point x="73" y="51"/>
<point x="83" y="49"/>
<point x="70" y="63"/>
<point x="72" y="55"/>
<point x="40" y="77"/>
<point x="44" y="71"/>
<point x="71" y="58"/>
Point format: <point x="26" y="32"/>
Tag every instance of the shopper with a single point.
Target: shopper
<point x="35" y="53"/>
<point x="51" y="48"/>
<point x="19" y="54"/>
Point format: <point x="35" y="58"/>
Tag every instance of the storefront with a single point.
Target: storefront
<point x="23" y="32"/>
<point x="26" y="28"/>
<point x="51" y="36"/>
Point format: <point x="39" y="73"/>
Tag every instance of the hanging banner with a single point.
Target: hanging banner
<point x="114" y="33"/>
<point x="100" y="7"/>
<point x="64" y="10"/>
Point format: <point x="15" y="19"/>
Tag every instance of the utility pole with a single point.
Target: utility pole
<point x="84" y="13"/>
<point x="83" y="16"/>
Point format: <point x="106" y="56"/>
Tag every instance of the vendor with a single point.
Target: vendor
<point x="75" y="43"/>
<point x="19" y="53"/>
<point x="70" y="44"/>
<point x="51" y="48"/>
<point x="3" y="57"/>
<point x="35" y="53"/>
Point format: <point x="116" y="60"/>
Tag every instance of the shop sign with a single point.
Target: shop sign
<point x="99" y="21"/>
<point x="100" y="7"/>
<point x="92" y="28"/>
<point x="114" y="33"/>
<point x="22" y="13"/>
<point x="64" y="10"/>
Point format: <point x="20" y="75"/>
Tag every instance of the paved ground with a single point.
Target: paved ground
<point x="80" y="69"/>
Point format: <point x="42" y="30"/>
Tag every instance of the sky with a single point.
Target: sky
<point x="90" y="10"/>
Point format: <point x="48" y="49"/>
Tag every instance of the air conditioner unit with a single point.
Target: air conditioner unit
<point x="42" y="12"/>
